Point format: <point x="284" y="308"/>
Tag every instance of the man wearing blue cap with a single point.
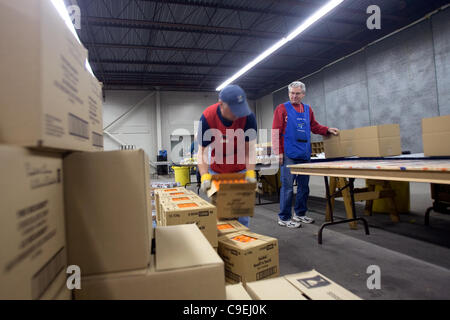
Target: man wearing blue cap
<point x="231" y="113"/>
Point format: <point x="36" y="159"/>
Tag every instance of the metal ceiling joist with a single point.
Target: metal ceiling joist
<point x="183" y="49"/>
<point x="180" y="27"/>
<point x="183" y="64"/>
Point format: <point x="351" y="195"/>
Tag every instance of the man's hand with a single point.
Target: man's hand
<point x="250" y="176"/>
<point x="206" y="182"/>
<point x="334" y="131"/>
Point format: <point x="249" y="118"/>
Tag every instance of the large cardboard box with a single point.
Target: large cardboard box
<point x="232" y="195"/>
<point x="108" y="210"/>
<point x="185" y="267"/>
<point x="32" y="231"/>
<point x="377" y="141"/>
<point x="237" y="292"/>
<point x="436" y="136"/>
<point x="339" y="146"/>
<point x="310" y="285"/>
<point x="197" y="211"/>
<point x="48" y="99"/>
<point x="229" y="226"/>
<point x="56" y="287"/>
<point x="249" y="256"/>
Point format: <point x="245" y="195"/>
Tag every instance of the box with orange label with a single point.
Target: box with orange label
<point x="233" y="196"/>
<point x="162" y="193"/>
<point x="197" y="211"/>
<point x="229" y="226"/>
<point x="249" y="256"/>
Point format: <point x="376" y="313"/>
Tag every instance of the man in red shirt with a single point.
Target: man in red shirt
<point x="292" y="125"/>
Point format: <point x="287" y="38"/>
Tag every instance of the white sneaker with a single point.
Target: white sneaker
<point x="303" y="219"/>
<point x="289" y="223"/>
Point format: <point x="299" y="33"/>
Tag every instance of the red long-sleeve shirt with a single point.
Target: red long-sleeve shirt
<point x="279" y="122"/>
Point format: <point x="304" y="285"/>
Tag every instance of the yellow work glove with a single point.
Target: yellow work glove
<point x="206" y="182"/>
<point x="250" y="176"/>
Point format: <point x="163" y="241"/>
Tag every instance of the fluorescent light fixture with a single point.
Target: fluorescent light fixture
<point x="62" y="10"/>
<point x="305" y="25"/>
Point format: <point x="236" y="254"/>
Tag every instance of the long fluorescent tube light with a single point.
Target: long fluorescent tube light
<point x="300" y="29"/>
<point x="62" y="10"/>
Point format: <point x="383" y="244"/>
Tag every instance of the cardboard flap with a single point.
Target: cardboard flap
<point x="243" y="239"/>
<point x="274" y="289"/>
<point x="183" y="246"/>
<point x="228" y="176"/>
<point x="318" y="287"/>
<point x="436" y="124"/>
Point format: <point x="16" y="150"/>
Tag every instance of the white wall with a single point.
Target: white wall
<point x="264" y="116"/>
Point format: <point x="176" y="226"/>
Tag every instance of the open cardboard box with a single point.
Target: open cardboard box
<point x="184" y="267"/>
<point x="233" y="196"/>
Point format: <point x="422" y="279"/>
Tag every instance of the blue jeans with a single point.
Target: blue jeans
<point x="244" y="220"/>
<point x="287" y="181"/>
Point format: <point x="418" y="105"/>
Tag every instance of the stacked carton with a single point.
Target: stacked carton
<point x="374" y="141"/>
<point x="184" y="267"/>
<point x="436" y="136"/>
<point x="185" y="207"/>
<point x="249" y="256"/>
<point x="49" y="105"/>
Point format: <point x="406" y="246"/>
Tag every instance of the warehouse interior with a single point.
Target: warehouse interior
<point x="152" y="68"/>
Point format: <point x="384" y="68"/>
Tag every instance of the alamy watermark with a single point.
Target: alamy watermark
<point x="75" y="15"/>
<point x="374" y="280"/>
<point x="374" y="21"/>
<point x="74" y="280"/>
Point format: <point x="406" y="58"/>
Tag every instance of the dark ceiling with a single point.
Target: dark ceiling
<point x="195" y="45"/>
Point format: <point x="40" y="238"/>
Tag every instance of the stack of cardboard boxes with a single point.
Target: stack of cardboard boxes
<point x="63" y="201"/>
<point x="50" y="104"/>
<point x="247" y="256"/>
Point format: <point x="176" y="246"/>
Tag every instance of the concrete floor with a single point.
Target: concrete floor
<point x="414" y="259"/>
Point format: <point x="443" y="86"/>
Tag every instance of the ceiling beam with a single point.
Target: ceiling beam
<point x="180" y="27"/>
<point x="183" y="49"/>
<point x="183" y="64"/>
<point x="225" y="6"/>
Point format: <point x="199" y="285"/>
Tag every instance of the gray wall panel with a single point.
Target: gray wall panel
<point x="441" y="36"/>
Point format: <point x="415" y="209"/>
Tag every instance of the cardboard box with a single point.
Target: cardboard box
<point x="233" y="200"/>
<point x="236" y="292"/>
<point x="185" y="268"/>
<point x="273" y="289"/>
<point x="160" y="193"/>
<point x="55" y="288"/>
<point x="197" y="211"/>
<point x="436" y="136"/>
<point x="229" y="226"/>
<point x="249" y="256"/>
<point x="316" y="286"/>
<point x="108" y="211"/>
<point x="310" y="285"/>
<point x="49" y="99"/>
<point x="339" y="146"/>
<point x="377" y="141"/>
<point x="32" y="231"/>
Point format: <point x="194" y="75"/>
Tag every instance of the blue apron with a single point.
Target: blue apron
<point x="297" y="137"/>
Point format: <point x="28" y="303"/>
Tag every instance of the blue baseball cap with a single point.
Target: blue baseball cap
<point x="236" y="99"/>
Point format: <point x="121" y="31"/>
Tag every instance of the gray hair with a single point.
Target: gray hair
<point x="297" y="84"/>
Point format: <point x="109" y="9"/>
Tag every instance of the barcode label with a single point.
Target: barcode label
<point x="44" y="277"/>
<point x="78" y="127"/>
<point x="266" y="273"/>
<point x="97" y="139"/>
<point x="232" y="276"/>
